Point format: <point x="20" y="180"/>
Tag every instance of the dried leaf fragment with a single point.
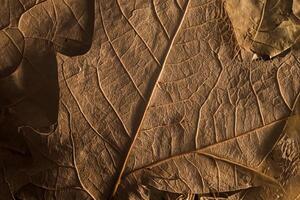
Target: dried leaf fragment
<point x="265" y="27"/>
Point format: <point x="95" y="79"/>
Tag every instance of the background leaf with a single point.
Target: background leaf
<point x="265" y="27"/>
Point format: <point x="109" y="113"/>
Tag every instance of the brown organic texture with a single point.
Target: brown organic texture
<point x="265" y="27"/>
<point x="164" y="103"/>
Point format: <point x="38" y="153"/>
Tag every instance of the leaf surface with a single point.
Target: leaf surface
<point x="163" y="104"/>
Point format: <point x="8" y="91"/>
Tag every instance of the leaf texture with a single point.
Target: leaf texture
<point x="266" y="28"/>
<point x="153" y="100"/>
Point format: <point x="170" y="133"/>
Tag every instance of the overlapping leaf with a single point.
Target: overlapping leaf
<point x="265" y="27"/>
<point x="31" y="34"/>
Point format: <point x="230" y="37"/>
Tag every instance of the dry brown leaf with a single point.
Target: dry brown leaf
<point x="163" y="105"/>
<point x="265" y="27"/>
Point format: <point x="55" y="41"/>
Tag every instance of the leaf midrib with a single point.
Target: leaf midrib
<point x="121" y="172"/>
